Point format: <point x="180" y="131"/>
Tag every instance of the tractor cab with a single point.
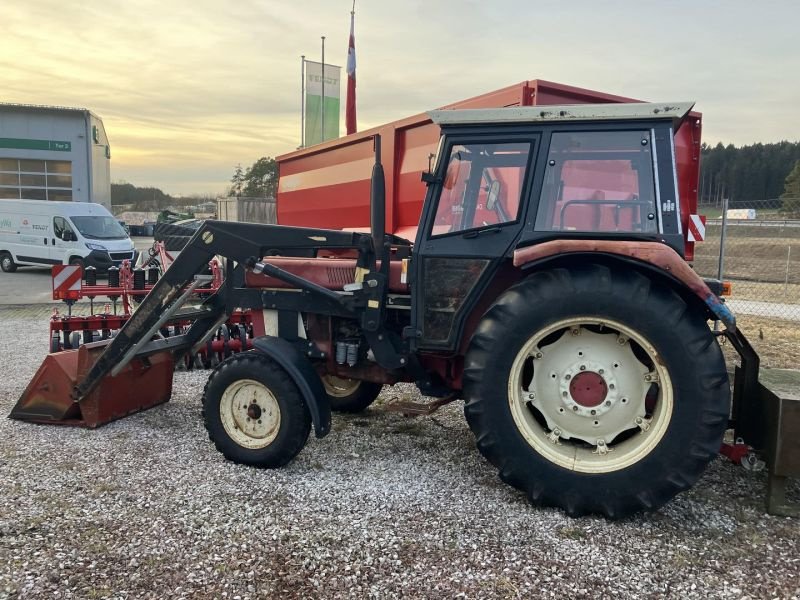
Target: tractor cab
<point x="506" y="179"/>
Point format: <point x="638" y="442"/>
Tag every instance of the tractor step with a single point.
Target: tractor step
<point x="409" y="408"/>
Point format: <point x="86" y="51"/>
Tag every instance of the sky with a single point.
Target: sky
<point x="187" y="90"/>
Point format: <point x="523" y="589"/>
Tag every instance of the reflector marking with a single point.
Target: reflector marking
<point x="697" y="228"/>
<point x="67" y="282"/>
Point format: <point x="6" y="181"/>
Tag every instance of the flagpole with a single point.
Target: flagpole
<point x="302" y="100"/>
<point x="350" y="106"/>
<point x="322" y="103"/>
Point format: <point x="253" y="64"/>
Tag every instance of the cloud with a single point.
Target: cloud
<point x="188" y="90"/>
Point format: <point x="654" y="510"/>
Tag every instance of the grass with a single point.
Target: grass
<point x="776" y="341"/>
<point x="764" y="258"/>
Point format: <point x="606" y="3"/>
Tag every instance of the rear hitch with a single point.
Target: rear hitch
<point x="767" y="417"/>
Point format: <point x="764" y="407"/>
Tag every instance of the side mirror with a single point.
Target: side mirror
<point x="68" y="236"/>
<point x="494" y="192"/>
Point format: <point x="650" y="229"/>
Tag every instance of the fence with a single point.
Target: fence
<point x="760" y="256"/>
<point x="246" y="210"/>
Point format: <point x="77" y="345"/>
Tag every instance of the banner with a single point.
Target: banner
<point x="316" y="113"/>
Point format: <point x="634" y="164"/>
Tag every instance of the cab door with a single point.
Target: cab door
<point x="63" y="241"/>
<point x="474" y="212"/>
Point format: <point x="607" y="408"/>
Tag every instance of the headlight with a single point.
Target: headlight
<point x="95" y="247"/>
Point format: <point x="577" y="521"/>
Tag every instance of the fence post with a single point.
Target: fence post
<point x="786" y="277"/>
<point x="721" y="264"/>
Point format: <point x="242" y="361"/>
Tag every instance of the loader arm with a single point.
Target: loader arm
<point x="238" y="243"/>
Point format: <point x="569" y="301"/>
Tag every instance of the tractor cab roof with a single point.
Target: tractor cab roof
<point x="635" y="111"/>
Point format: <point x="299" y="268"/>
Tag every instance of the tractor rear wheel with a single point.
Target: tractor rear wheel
<point x="596" y="390"/>
<point x="350" y="395"/>
<point x="254" y="412"/>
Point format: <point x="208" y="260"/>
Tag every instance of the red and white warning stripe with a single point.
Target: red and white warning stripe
<point x="66" y="282"/>
<point x="697" y="228"/>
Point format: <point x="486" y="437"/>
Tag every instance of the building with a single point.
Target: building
<point x="53" y="153"/>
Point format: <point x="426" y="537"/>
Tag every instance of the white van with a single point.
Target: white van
<point x="41" y="233"/>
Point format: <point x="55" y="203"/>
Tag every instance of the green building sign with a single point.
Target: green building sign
<point x="49" y="145"/>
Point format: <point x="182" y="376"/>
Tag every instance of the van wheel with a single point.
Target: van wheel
<point x="7" y="263"/>
<point x="76" y="262"/>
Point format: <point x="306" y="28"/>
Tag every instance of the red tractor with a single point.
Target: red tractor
<point x="546" y="286"/>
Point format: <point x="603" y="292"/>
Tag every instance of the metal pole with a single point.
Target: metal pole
<point x="786" y="277"/>
<point x="322" y="103"/>
<point x="721" y="265"/>
<point x="302" y="100"/>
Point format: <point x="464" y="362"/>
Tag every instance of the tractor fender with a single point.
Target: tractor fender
<point x="304" y="376"/>
<point x="655" y="255"/>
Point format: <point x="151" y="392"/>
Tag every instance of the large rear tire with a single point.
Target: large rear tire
<point x="596" y="390"/>
<point x="254" y="412"/>
<point x="350" y="395"/>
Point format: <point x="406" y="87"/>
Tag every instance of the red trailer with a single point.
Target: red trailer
<point x="327" y="185"/>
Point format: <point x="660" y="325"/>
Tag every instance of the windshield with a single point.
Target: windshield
<point x="99" y="228"/>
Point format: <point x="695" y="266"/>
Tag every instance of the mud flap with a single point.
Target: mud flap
<point x="50" y="396"/>
<point x="304" y="376"/>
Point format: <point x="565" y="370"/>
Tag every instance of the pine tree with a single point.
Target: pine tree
<point x="791" y="191"/>
<point x="237" y="181"/>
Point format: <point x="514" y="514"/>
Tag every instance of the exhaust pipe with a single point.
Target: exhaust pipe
<point x="377" y="203"/>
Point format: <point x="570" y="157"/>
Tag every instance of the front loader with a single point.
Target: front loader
<point x="546" y="287"/>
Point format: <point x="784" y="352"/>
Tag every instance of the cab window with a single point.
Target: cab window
<point x="482" y="186"/>
<point x="60" y="226"/>
<point x="599" y="181"/>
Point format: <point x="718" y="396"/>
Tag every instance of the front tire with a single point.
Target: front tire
<point x="596" y="390"/>
<point x="254" y="413"/>
<point x="7" y="263"/>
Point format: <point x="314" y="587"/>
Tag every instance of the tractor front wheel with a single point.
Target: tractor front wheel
<point x="596" y="390"/>
<point x="254" y="412"/>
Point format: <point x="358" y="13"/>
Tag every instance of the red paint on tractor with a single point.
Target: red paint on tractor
<point x="330" y="273"/>
<point x="659" y="255"/>
<point x="588" y="389"/>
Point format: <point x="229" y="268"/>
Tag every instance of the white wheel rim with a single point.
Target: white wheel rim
<point x="340" y="387"/>
<point x="598" y="418"/>
<point x="250" y="414"/>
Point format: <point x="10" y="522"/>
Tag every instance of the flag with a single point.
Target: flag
<point x="350" y="110"/>
<point x="317" y="104"/>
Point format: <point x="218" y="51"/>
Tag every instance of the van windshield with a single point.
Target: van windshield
<point x="99" y="228"/>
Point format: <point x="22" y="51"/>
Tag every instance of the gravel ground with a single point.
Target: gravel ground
<point x="383" y="507"/>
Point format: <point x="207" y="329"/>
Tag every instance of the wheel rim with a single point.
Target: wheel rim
<point x="590" y="395"/>
<point x="6" y="263"/>
<point x="340" y="387"/>
<point x="250" y="414"/>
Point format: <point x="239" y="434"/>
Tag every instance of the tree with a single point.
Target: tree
<point x="237" y="181"/>
<point x="261" y="178"/>
<point x="142" y="198"/>
<point x="791" y="191"/>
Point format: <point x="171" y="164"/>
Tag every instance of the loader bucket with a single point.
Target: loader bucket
<point x="49" y="397"/>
